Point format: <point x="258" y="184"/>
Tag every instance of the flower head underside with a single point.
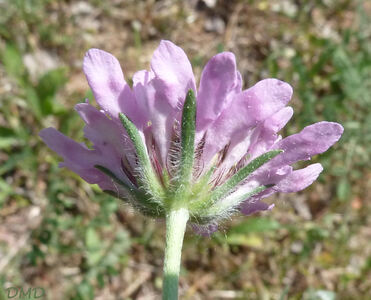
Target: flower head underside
<point x="165" y="144"/>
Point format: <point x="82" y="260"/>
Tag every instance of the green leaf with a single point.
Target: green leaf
<point x="48" y="86"/>
<point x="7" y="132"/>
<point x="242" y="174"/>
<point x="343" y="189"/>
<point x="92" y="240"/>
<point x="14" y="160"/>
<point x="248" y="232"/>
<point x="51" y="82"/>
<point x="33" y="101"/>
<point x="255" y="225"/>
<point x="94" y="247"/>
<point x="85" y="291"/>
<point x="7" y="142"/>
<point x="12" y="61"/>
<point x="251" y="240"/>
<point x="10" y="137"/>
<point x="5" y="191"/>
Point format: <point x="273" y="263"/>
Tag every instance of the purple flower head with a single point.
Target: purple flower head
<point x="165" y="144"/>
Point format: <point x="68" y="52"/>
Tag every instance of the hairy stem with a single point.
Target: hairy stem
<point x="176" y="222"/>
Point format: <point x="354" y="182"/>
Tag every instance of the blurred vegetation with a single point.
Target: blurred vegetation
<point x="62" y="234"/>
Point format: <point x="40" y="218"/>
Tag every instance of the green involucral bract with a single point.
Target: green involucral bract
<point x="147" y="178"/>
<point x="183" y="178"/>
<point x="132" y="195"/>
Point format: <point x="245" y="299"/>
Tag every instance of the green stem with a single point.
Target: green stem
<point x="176" y="222"/>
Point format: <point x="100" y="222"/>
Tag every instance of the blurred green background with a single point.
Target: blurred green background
<point x="59" y="233"/>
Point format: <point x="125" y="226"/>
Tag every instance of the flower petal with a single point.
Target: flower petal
<point x="299" y="179"/>
<point x="108" y="137"/>
<point x="144" y="98"/>
<point x="161" y="93"/>
<point x="258" y="140"/>
<point x="312" y="140"/>
<point x="107" y="82"/>
<point x="291" y="182"/>
<point x="249" y="208"/>
<point x="101" y="130"/>
<point x="247" y="110"/>
<point x="266" y="134"/>
<point x="76" y="157"/>
<point x="160" y="115"/>
<point x="267" y="97"/>
<point x="173" y="73"/>
<point x="220" y="81"/>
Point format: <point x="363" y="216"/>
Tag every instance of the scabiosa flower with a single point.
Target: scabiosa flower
<point x="174" y="151"/>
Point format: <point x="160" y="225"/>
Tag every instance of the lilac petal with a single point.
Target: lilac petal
<point x="312" y="140"/>
<point x="144" y="98"/>
<point x="235" y="122"/>
<point x="249" y="208"/>
<point x="173" y="73"/>
<point x="108" y="137"/>
<point x="267" y="97"/>
<point x="265" y="176"/>
<point x="109" y="87"/>
<point x="279" y="119"/>
<point x="259" y="140"/>
<point x="99" y="129"/>
<point x="160" y="115"/>
<point x="248" y="109"/>
<point x="161" y="93"/>
<point x="293" y="182"/>
<point x="266" y="134"/>
<point x="220" y="81"/>
<point x="76" y="157"/>
<point x="256" y="104"/>
<point x="299" y="179"/>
